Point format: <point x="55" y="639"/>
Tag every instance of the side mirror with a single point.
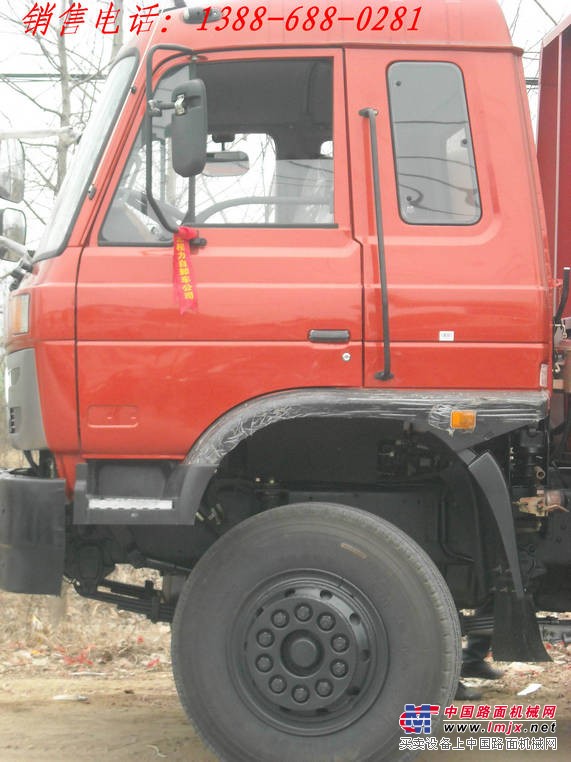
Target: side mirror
<point x="11" y="170"/>
<point x="189" y="128"/>
<point x="13" y="225"/>
<point x="12" y="234"/>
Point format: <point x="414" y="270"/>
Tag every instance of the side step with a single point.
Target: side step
<point x="128" y="504"/>
<point x="136" y="493"/>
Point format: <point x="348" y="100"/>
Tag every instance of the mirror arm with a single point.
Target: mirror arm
<point x="22" y="269"/>
<point x="190" y="216"/>
<point x="17" y="275"/>
<point x="149" y="176"/>
<point x="17" y="248"/>
<point x="154" y="108"/>
<point x="180" y="49"/>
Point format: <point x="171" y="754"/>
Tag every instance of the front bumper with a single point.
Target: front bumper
<point x="32" y="534"/>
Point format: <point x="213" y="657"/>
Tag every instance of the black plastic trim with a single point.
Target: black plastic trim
<point x="183" y="485"/>
<point x="497" y="413"/>
<point x="329" y="336"/>
<point x="491" y="480"/>
<point x="371" y="115"/>
<point x="32" y="534"/>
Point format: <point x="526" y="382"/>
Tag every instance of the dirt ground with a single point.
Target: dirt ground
<point x="133" y="717"/>
<point x="79" y="680"/>
<point x="138" y="717"/>
<point x="134" y="714"/>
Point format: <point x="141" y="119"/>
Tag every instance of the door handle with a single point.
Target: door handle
<point x="329" y="337"/>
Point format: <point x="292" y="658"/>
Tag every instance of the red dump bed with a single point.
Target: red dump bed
<point x="554" y="141"/>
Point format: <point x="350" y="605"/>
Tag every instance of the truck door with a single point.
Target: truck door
<point x="278" y="284"/>
<point x="467" y="288"/>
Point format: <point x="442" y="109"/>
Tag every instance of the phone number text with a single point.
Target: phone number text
<point x="307" y="18"/>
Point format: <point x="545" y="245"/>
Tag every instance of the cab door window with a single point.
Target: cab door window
<point x="270" y="160"/>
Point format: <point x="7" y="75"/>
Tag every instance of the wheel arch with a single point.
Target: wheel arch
<point x="497" y="413"/>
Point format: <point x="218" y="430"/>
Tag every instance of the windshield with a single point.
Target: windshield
<point x="83" y="162"/>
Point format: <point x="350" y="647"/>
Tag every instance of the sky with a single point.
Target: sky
<point x="529" y="21"/>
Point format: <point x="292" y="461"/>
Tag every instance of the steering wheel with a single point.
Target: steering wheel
<point x="262" y="200"/>
<point x="138" y="200"/>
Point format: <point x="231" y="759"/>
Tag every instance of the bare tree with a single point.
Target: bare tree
<point x="65" y="72"/>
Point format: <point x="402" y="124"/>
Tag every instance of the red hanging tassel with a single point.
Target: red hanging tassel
<point x="183" y="275"/>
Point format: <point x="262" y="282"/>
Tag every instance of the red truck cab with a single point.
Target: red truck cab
<point x="322" y="412"/>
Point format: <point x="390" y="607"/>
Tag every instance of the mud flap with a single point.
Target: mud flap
<point x="32" y="534"/>
<point x="516" y="632"/>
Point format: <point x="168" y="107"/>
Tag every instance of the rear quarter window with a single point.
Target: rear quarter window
<point x="432" y="142"/>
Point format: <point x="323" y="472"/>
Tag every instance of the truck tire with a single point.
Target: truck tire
<point x="302" y="633"/>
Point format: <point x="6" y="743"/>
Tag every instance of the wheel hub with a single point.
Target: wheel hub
<point x="301" y="652"/>
<point x="310" y="652"/>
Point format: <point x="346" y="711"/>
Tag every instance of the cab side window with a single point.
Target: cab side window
<point x="270" y="160"/>
<point x="434" y="158"/>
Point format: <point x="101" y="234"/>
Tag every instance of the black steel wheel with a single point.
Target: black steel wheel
<point x="303" y="632"/>
<point x="308" y="653"/>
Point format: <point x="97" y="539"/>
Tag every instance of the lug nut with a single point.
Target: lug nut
<point x="264" y="663"/>
<point x="278" y="684"/>
<point x="303" y="612"/>
<point x="326" y="621"/>
<point x="265" y="638"/>
<point x="339" y="668"/>
<point x="280" y="618"/>
<point x="339" y="643"/>
<point x="324" y="688"/>
<point x="300" y="694"/>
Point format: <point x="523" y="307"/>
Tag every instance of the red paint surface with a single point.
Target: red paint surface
<point x="150" y="380"/>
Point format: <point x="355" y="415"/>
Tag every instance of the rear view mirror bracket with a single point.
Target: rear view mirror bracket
<point x="155" y="108"/>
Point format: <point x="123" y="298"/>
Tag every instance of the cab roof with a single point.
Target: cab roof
<point x="440" y="23"/>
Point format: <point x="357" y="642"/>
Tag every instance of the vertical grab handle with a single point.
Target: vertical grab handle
<point x="371" y="115"/>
